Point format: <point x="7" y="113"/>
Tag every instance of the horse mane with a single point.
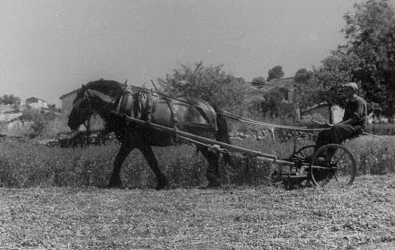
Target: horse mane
<point x="109" y="87"/>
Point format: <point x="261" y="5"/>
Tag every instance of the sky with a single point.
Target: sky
<point x="51" y="47"/>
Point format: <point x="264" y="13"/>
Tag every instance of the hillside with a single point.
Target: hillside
<point x="8" y="113"/>
<point x="42" y="123"/>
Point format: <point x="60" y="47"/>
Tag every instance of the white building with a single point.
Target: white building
<point x="36" y="103"/>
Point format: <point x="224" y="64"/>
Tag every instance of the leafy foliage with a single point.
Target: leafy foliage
<point x="367" y="58"/>
<point x="306" y="89"/>
<point x="336" y="70"/>
<point x="39" y="120"/>
<point x="258" y="81"/>
<point x="371" y="42"/>
<point x="302" y="75"/>
<point x="211" y="84"/>
<point x="9" y="99"/>
<point x="324" y="84"/>
<point x="274" y="104"/>
<point x="275" y="73"/>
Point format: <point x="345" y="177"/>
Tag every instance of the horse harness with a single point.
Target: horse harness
<point x="140" y="103"/>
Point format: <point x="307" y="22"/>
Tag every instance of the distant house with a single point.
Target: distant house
<point x="332" y="114"/>
<point x="67" y="101"/>
<point x="36" y="103"/>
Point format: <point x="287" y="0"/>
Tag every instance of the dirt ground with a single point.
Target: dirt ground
<point x="361" y="216"/>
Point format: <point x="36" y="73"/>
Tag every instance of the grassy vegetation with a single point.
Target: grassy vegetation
<point x="381" y="128"/>
<point x="28" y="164"/>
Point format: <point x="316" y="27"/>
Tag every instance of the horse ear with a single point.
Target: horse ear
<point x="126" y="82"/>
<point x="83" y="87"/>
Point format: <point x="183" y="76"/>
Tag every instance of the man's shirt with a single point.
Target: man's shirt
<point x="356" y="107"/>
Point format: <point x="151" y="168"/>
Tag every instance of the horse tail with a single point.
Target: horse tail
<point x="223" y="132"/>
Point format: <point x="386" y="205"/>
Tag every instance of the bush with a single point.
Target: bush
<point x="374" y="155"/>
<point x="212" y="84"/>
<point x="43" y="124"/>
<point x="381" y="128"/>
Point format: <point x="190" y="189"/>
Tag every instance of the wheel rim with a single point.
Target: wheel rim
<point x="333" y="164"/>
<point x="305" y="151"/>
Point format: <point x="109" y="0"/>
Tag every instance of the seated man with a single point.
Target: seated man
<point x="353" y="123"/>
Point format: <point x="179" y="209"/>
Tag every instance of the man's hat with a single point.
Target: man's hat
<point x="352" y="85"/>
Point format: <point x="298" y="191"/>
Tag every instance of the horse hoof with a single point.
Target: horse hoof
<point x="115" y="185"/>
<point x="212" y="185"/>
<point x="161" y="186"/>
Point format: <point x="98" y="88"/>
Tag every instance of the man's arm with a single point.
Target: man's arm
<point x="352" y="120"/>
<point x="358" y="113"/>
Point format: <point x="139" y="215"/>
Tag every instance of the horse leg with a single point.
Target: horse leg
<point x="149" y="155"/>
<point x="213" y="176"/>
<point x="115" y="180"/>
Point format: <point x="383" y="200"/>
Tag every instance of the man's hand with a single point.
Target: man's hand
<point x="322" y="124"/>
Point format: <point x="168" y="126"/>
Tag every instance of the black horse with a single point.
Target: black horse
<point x="113" y="100"/>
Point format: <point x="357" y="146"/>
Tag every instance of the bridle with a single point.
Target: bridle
<point x="109" y="100"/>
<point x="81" y="100"/>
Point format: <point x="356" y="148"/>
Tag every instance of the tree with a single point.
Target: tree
<point x="302" y="75"/>
<point x="212" y="84"/>
<point x="336" y="70"/>
<point x="274" y="104"/>
<point x="275" y="73"/>
<point x="258" y="81"/>
<point x="305" y="89"/>
<point x="370" y="34"/>
<point x="9" y="99"/>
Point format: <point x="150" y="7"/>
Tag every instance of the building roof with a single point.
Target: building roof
<point x="70" y="93"/>
<point x="33" y="99"/>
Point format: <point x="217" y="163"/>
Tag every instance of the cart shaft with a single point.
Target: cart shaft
<point x="253" y="153"/>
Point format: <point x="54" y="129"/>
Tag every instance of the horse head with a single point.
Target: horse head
<point x="82" y="109"/>
<point x="97" y="97"/>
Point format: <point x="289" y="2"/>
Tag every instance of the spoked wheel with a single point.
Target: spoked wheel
<point x="333" y="163"/>
<point x="304" y="152"/>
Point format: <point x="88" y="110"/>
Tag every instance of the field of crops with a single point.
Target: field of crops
<point x="51" y="198"/>
<point x="28" y="164"/>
